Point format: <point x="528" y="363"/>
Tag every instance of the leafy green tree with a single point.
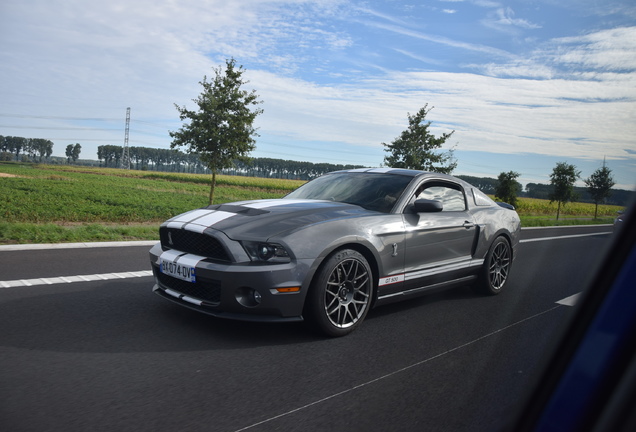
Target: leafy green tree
<point x="77" y="149"/>
<point x="221" y="130"/>
<point x="69" y="153"/>
<point x="507" y="187"/>
<point x="13" y="144"/>
<point x="416" y="147"/>
<point x="109" y="153"/>
<point x="42" y="146"/>
<point x="562" y="181"/>
<point x="599" y="185"/>
<point x="72" y="152"/>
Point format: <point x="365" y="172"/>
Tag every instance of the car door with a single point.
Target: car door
<point x="439" y="244"/>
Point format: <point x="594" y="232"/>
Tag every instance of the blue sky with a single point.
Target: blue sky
<point x="524" y="84"/>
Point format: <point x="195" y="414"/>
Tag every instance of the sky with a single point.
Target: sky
<point x="523" y="84"/>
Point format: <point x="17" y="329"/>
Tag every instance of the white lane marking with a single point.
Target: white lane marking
<point x="47" y="246"/>
<point x="70" y="279"/>
<point x="570" y="301"/>
<point x="562" y="237"/>
<point x="565" y="227"/>
<point x="395" y="372"/>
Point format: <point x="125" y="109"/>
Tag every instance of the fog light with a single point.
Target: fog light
<point x="257" y="296"/>
<point x="248" y="297"/>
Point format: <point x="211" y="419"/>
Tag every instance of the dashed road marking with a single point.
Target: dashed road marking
<point x="70" y="279"/>
<point x="563" y="237"/>
<point x="570" y="301"/>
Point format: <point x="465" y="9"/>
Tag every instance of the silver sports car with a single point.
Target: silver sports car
<point x="335" y="247"/>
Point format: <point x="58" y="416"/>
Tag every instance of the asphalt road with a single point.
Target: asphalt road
<point x="102" y="353"/>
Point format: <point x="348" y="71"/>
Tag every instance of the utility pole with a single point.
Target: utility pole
<point x="125" y="157"/>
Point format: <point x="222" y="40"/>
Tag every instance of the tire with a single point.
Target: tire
<point x="496" y="269"/>
<point x="340" y="294"/>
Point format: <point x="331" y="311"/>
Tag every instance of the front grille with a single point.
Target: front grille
<point x="203" y="289"/>
<point x="194" y="243"/>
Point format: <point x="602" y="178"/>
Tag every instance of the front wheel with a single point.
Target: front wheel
<point x="341" y="294"/>
<point x="496" y="269"/>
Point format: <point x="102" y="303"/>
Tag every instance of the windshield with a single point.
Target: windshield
<point x="377" y="192"/>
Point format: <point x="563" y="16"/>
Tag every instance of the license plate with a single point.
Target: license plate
<point x="177" y="270"/>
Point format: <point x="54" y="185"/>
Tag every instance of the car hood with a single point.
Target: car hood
<point x="263" y="219"/>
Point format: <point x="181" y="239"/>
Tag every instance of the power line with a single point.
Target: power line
<point x="58" y="117"/>
<point x="59" y="128"/>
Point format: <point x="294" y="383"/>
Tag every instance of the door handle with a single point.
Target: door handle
<point x="468" y="224"/>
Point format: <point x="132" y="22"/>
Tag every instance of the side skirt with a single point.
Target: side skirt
<point x="403" y="295"/>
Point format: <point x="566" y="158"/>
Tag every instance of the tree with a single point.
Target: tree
<point x="562" y="181"/>
<point x="507" y="187"/>
<point x="16" y="144"/>
<point x="77" y="149"/>
<point x="416" y="147"/>
<point x="109" y="153"/>
<point x="73" y="152"/>
<point x="69" y="153"/>
<point x="599" y="185"/>
<point x="221" y="130"/>
<point x="42" y="146"/>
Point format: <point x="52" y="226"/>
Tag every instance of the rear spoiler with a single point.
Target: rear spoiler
<point x="505" y="205"/>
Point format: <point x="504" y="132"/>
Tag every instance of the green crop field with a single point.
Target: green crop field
<point x="51" y="203"/>
<point x="59" y="203"/>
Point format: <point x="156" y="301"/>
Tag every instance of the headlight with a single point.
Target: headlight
<point x="266" y="252"/>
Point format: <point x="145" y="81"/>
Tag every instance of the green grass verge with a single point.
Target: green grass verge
<point x="26" y="233"/>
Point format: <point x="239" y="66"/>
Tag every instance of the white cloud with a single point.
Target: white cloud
<point x="442" y="40"/>
<point x="502" y="19"/>
<point x="611" y="50"/>
<point x="589" y="57"/>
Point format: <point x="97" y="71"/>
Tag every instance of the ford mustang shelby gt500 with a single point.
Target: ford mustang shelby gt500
<point x="335" y="247"/>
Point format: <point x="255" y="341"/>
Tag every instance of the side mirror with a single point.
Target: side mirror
<point x="427" y="206"/>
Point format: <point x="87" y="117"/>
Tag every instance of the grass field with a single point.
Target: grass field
<point x="59" y="203"/>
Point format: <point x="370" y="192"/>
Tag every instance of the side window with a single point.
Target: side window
<point x="451" y="197"/>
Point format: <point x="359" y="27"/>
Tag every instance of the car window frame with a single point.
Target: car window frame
<point x="436" y="182"/>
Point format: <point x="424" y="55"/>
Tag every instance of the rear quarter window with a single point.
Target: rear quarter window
<point x="481" y="199"/>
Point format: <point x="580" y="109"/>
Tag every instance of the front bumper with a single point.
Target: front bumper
<point x="219" y="287"/>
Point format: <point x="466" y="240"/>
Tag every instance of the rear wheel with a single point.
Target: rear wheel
<point x="496" y="269"/>
<point x="341" y="294"/>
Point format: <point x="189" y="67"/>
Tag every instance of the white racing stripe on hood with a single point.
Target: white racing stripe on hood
<point x="189" y="216"/>
<point x="274" y="203"/>
<point x="198" y="220"/>
<point x="212" y="218"/>
<point x="201" y="219"/>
